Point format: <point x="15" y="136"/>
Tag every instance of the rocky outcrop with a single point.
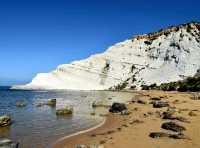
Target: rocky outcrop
<point x="165" y="56"/>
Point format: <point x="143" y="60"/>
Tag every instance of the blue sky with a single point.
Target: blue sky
<point x="38" y="35"/>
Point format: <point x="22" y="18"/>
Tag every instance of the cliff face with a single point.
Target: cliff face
<point x="167" y="55"/>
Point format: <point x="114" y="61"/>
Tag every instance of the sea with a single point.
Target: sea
<point x="40" y="127"/>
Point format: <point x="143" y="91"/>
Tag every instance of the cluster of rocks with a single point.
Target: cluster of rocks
<point x="169" y="114"/>
<point x="50" y="102"/>
<point x="67" y="110"/>
<point x="172" y="126"/>
<point x="5" y="120"/>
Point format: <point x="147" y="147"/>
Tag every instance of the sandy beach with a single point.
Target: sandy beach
<point x="127" y="131"/>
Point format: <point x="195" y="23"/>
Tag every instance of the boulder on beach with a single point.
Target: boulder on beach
<point x="21" y="103"/>
<point x="160" y="104"/>
<point x="7" y="143"/>
<point x="173" y="127"/>
<point x="139" y="101"/>
<point x="5" y="120"/>
<point x="162" y="135"/>
<point x="158" y="135"/>
<point x="117" y="107"/>
<point x="68" y="110"/>
<point x="51" y="102"/>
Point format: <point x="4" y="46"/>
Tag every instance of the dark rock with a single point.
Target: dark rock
<point x="169" y="114"/>
<point x="141" y="102"/>
<point x="155" y="99"/>
<point x="7" y="143"/>
<point x="162" y="134"/>
<point x="117" y="107"/>
<point x="160" y="104"/>
<point x="102" y="142"/>
<point x="178" y="136"/>
<point x="158" y="134"/>
<point x="173" y="127"/>
<point x="191" y="113"/>
<point x="5" y="120"/>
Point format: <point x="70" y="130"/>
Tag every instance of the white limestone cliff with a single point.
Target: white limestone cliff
<point x="167" y="55"/>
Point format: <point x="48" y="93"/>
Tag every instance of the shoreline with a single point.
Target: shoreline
<point x="117" y="131"/>
<point x="80" y="132"/>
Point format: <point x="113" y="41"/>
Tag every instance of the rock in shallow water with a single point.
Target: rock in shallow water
<point x="68" y="110"/>
<point x="7" y="143"/>
<point x="117" y="107"/>
<point x="20" y="103"/>
<point x="51" y="102"/>
<point x="5" y="120"/>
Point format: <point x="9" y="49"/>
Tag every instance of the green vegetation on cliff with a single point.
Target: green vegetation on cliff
<point x="189" y="84"/>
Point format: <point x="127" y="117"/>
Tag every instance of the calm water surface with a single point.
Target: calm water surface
<point x="39" y="127"/>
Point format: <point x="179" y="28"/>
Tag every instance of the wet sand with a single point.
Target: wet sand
<point x="128" y="131"/>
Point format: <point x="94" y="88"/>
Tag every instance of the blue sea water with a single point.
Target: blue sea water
<point x="39" y="127"/>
